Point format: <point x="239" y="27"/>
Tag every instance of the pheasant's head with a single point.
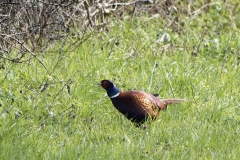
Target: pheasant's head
<point x="111" y="89"/>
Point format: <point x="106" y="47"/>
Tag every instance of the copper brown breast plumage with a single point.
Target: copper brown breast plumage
<point x="136" y="105"/>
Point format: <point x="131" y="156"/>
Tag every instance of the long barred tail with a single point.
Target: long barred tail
<point x="172" y="101"/>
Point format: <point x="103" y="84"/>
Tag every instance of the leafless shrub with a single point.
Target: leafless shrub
<point x="30" y="26"/>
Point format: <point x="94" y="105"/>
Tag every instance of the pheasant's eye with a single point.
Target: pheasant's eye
<point x="104" y="84"/>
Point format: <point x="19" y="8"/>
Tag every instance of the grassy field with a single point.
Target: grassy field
<point x="61" y="112"/>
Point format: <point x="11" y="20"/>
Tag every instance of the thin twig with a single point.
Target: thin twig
<point x="198" y="11"/>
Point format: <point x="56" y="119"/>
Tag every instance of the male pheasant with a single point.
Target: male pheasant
<point x="137" y="106"/>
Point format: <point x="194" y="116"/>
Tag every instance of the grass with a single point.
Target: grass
<point x="63" y="114"/>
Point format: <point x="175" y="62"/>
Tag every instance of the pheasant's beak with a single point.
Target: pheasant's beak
<point x="99" y="83"/>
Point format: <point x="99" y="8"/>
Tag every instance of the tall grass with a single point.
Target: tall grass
<point x="63" y="114"/>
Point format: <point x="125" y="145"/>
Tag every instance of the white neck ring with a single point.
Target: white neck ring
<point x="115" y="95"/>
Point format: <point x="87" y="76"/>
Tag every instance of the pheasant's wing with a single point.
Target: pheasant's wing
<point x="147" y="103"/>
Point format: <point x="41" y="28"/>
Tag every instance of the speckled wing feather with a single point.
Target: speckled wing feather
<point x="147" y="103"/>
